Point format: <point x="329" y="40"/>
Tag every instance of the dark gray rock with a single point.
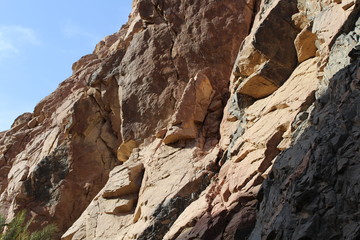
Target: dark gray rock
<point x="313" y="189"/>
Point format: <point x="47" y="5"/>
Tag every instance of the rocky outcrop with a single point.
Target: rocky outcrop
<point x="199" y="120"/>
<point x="175" y="119"/>
<point x="311" y="192"/>
<point x="267" y="132"/>
<point x="191" y="110"/>
<point x="263" y="66"/>
<point x="118" y="98"/>
<point x="118" y="197"/>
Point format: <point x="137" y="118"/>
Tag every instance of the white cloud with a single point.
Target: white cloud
<point x="72" y="30"/>
<point x="14" y="38"/>
<point x="26" y="35"/>
<point x="6" y="44"/>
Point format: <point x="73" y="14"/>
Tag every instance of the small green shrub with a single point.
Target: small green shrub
<point x="17" y="229"/>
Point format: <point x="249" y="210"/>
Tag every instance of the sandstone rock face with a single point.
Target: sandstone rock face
<point x="312" y="187"/>
<point x="191" y="110"/>
<point x="263" y="66"/>
<point x="119" y="97"/>
<point x="56" y="162"/>
<point x="177" y="96"/>
<point x="305" y="45"/>
<point x="199" y="120"/>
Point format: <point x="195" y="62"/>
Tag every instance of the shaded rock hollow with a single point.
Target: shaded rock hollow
<point x="199" y="120"/>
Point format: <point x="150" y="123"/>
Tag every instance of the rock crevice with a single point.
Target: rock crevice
<point x="199" y="120"/>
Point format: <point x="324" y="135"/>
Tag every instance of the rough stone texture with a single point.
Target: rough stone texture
<point x="118" y="197"/>
<point x="266" y="133"/>
<point x="263" y="66"/>
<point x="191" y="110"/>
<point x="312" y="193"/>
<point x="118" y="98"/>
<point x="55" y="160"/>
<point x="199" y="120"/>
<point x="305" y="45"/>
<point x="55" y="163"/>
<point x="178" y="95"/>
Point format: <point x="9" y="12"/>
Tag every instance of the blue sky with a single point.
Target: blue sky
<point x="40" y="40"/>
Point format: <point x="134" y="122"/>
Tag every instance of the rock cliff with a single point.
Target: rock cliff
<point x="199" y="120"/>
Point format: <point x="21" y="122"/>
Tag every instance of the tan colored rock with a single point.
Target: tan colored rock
<point x="161" y="133"/>
<point x="119" y="196"/>
<point x="66" y="147"/>
<point x="191" y="109"/>
<point x="253" y="154"/>
<point x="300" y="19"/>
<point x="326" y="28"/>
<point x="127" y="89"/>
<point x="193" y="151"/>
<point x="185" y="132"/>
<point x="83" y="61"/>
<point x="305" y="45"/>
<point x="125" y="149"/>
<point x="40" y="118"/>
<point x="301" y="173"/>
<point x="180" y="61"/>
<point x="124" y="180"/>
<point x="21" y="120"/>
<point x="163" y="171"/>
<point x="263" y="66"/>
<point x="249" y="61"/>
<point x="32" y="123"/>
<point x="123" y="205"/>
<point x="258" y="86"/>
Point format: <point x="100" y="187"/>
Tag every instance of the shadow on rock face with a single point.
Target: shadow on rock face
<point x="313" y="189"/>
<point x="47" y="176"/>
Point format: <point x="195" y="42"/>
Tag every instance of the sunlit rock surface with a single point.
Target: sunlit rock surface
<point x="199" y="120"/>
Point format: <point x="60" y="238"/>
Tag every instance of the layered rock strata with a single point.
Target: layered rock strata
<point x="199" y="120"/>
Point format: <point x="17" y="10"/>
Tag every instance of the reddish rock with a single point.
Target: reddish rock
<point x="263" y="66"/>
<point x="199" y="120"/>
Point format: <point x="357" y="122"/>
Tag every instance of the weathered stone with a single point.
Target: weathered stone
<point x="32" y="123"/>
<point x="117" y="206"/>
<point x="307" y="194"/>
<point x="22" y="119"/>
<point x="94" y="121"/>
<point x="326" y="28"/>
<point x="231" y="120"/>
<point x="124" y="180"/>
<point x="305" y="45"/>
<point x="83" y="61"/>
<point x="253" y="154"/>
<point x="59" y="186"/>
<point x="263" y="66"/>
<point x="259" y="84"/>
<point x="191" y="110"/>
<point x="125" y="149"/>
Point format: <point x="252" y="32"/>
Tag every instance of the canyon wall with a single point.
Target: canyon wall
<point x="199" y="120"/>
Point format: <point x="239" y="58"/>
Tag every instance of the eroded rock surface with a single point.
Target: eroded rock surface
<point x="312" y="193"/>
<point x="199" y="120"/>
